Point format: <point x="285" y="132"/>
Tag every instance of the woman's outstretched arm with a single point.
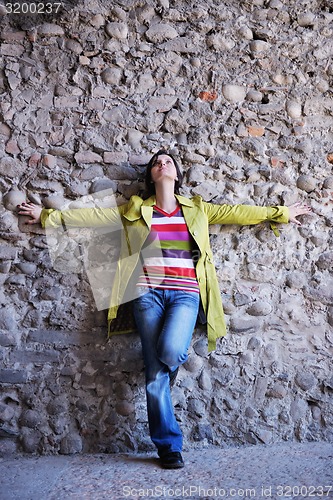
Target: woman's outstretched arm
<point x="252" y="214"/>
<point x="77" y="217"/>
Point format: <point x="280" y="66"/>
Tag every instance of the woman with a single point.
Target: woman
<point x="172" y="283"/>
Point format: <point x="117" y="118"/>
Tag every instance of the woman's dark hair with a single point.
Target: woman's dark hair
<point x="150" y="186"/>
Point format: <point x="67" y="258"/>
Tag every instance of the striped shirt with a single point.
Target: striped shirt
<point x="167" y="256"/>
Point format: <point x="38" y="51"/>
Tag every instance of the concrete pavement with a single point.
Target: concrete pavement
<point x="282" y="471"/>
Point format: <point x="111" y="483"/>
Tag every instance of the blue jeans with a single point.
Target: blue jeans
<point x="165" y="320"/>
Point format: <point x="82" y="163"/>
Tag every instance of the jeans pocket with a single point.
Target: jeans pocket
<point x="143" y="300"/>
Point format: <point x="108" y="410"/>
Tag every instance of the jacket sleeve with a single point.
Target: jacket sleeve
<point x="245" y="214"/>
<point x="81" y="217"/>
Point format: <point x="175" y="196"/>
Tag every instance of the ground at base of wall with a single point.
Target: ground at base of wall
<point x="288" y="470"/>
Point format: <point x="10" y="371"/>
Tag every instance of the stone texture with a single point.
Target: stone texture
<point x="305" y="380"/>
<point x="112" y="75"/>
<point x="234" y="93"/>
<point x="306" y="183"/>
<point x="50" y="30"/>
<point x="117" y="30"/>
<point x="260" y="309"/>
<point x="258" y="46"/>
<point x="240" y="94"/>
<point x="71" y="444"/>
<point x="161" y="32"/>
<point x="13" y="377"/>
<point x="294" y="109"/>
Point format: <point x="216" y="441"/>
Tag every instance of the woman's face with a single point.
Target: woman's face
<point x="163" y="168"/>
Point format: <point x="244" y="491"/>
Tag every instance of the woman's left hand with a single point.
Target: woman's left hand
<point x="298" y="209"/>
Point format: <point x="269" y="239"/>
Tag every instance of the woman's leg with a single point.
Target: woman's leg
<point x="165" y="321"/>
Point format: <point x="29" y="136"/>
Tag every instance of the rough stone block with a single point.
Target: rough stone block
<point x="12" y="148"/>
<point x="10" y="167"/>
<point x="96" y="104"/>
<point x="112" y="76"/>
<point x="125" y="408"/>
<point x="242" y="325"/>
<point x="30" y="439"/>
<point x="183" y="45"/>
<point x="277" y="391"/>
<point x="49" y="29"/>
<point x="8" y="376"/>
<point x="9" y="49"/>
<point x="7" y="340"/>
<point x="117" y="30"/>
<point x="325" y="260"/>
<point x="88" y="157"/>
<point x="66" y="102"/>
<point x="162" y="104"/>
<point x="7" y="252"/>
<point x="31" y="419"/>
<point x="305" y="380"/>
<point x="160" y="32"/>
<point x="64" y="338"/>
<point x="37" y="357"/>
<point x="260" y="388"/>
<point x="8" y="316"/>
<point x="260" y="308"/>
<point x="234" y="93"/>
<point x="6" y="412"/>
<point x="122" y="172"/>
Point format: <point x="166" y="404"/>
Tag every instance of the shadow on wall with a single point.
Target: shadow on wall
<point x="89" y="398"/>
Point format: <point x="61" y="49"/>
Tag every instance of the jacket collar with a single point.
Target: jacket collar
<point x="182" y="200"/>
<point x="143" y="208"/>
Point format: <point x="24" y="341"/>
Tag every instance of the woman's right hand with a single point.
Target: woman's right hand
<point x="31" y="210"/>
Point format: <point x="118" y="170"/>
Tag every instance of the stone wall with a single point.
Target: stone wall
<point x="241" y="92"/>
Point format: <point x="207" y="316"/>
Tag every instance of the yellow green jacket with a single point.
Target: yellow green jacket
<point x="136" y="215"/>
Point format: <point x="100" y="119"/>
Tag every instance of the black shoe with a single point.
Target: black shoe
<point x="172" y="460"/>
<point x="173" y="376"/>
